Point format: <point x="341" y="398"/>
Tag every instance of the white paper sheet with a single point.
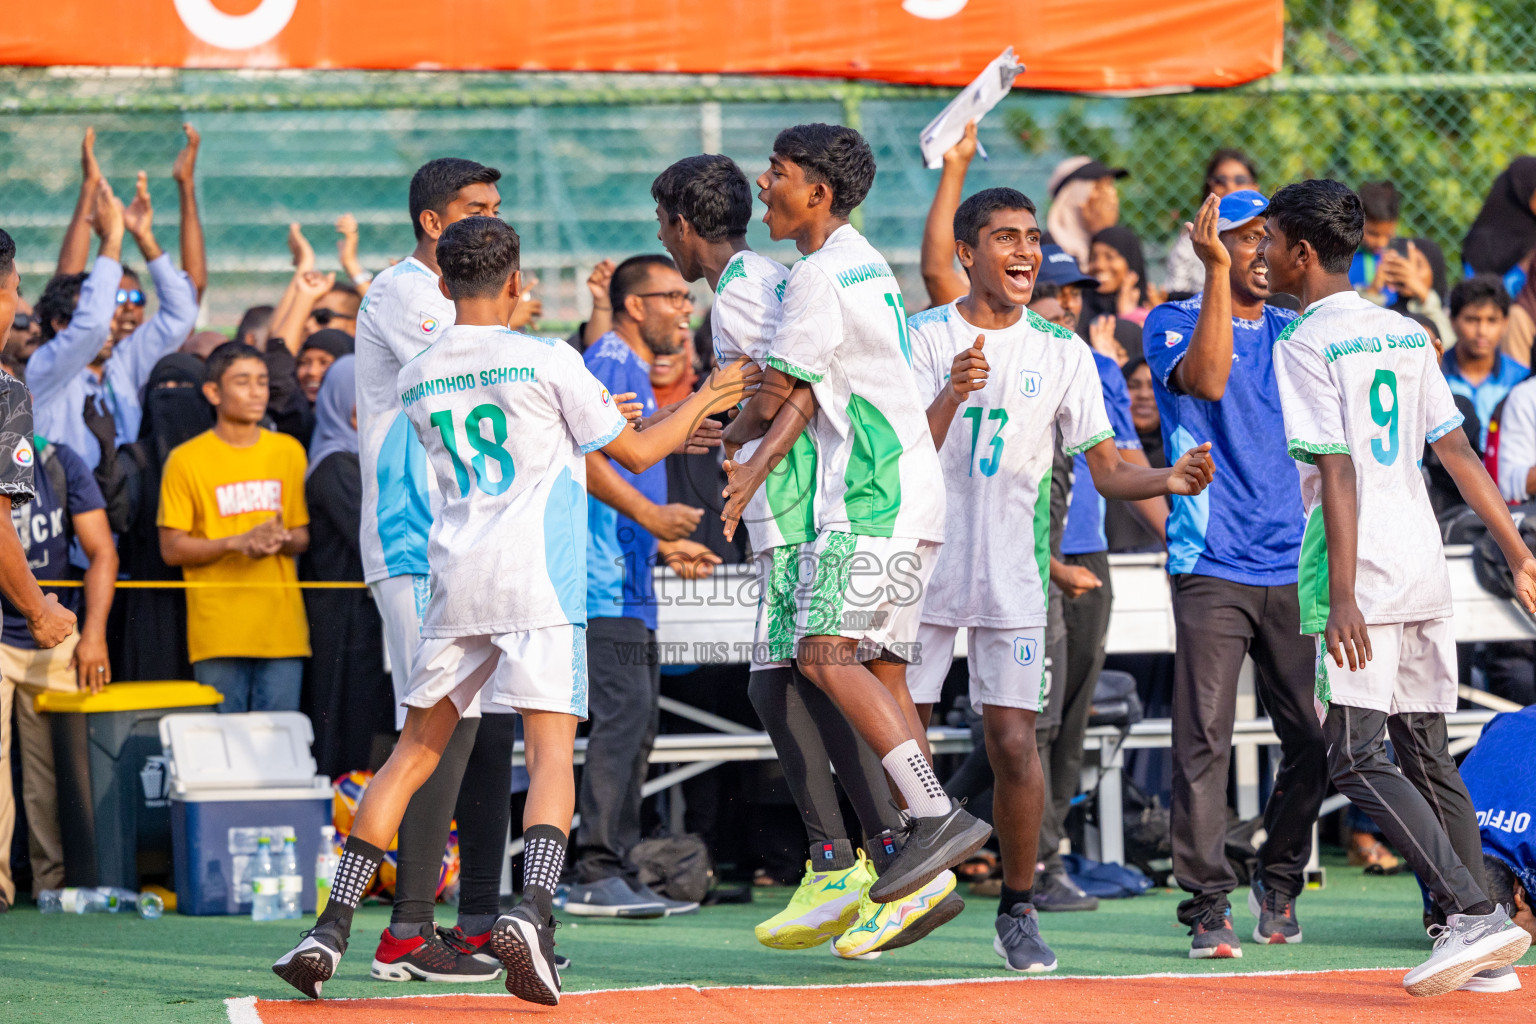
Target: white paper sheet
<point x="972" y="104"/>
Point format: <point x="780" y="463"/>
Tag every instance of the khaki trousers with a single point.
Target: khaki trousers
<point x="24" y="674"/>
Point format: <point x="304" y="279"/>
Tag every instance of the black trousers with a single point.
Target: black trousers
<point x="1420" y="804"/>
<point x="624" y="686"/>
<point x="1216" y="622"/>
<point x="1086" y="620"/>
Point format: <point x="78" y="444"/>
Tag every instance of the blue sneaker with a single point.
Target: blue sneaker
<point x="1018" y="941"/>
<point x="607" y="897"/>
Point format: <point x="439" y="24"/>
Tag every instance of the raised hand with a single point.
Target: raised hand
<point x="1206" y="238"/>
<point x="597" y="284"/>
<point x="107" y="218"/>
<point x="969" y="370"/>
<point x="139" y="217"/>
<point x="312" y="285"/>
<point x="184" y="170"/>
<point x="303" y="252"/>
<point x="1101" y="335"/>
<point x="1193" y="472"/>
<point x="964" y="151"/>
<point x="90" y="170"/>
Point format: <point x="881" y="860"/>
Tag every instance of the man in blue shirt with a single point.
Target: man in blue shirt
<point x="1475" y="369"/>
<point x="1500" y="774"/>
<point x="1232" y="554"/>
<point x="629" y="525"/>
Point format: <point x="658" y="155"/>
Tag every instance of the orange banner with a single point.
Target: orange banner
<point x="1089" y="45"/>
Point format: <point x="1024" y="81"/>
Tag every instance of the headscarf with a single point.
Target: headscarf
<point x="1125" y="242"/>
<point x="1505" y="228"/>
<point x="173" y="415"/>
<point x="334" y="431"/>
<point x="337" y="343"/>
<point x="1065" y="219"/>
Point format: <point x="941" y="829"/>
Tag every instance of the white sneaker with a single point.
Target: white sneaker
<point x="1500" y="979"/>
<point x="1468" y="945"/>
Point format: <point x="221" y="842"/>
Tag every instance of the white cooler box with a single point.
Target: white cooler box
<point x="233" y="779"/>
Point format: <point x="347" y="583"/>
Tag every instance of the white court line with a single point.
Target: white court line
<point x="242" y="1010"/>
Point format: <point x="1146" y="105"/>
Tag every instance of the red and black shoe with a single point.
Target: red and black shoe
<point x="427" y="956"/>
<point x="475" y="946"/>
<point x="1214" y="937"/>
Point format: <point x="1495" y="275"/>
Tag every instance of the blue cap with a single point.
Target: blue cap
<point x="1239" y="208"/>
<point x="1059" y="267"/>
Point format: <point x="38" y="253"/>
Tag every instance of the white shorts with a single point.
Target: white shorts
<point x="1007" y="666"/>
<point x="869" y="589"/>
<point x="402" y="602"/>
<point x="1412" y="668"/>
<point x="535" y="670"/>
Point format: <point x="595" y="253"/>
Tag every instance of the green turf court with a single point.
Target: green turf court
<point x="67" y="969"/>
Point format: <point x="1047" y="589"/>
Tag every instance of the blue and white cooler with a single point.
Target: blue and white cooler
<point x="231" y="780"/>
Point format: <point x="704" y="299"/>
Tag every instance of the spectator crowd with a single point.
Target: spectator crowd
<point x="168" y="453"/>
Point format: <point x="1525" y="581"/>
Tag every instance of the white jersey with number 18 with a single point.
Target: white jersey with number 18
<point x="506" y="420"/>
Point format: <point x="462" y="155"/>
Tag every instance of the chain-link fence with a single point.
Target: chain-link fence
<point x="1435" y="96"/>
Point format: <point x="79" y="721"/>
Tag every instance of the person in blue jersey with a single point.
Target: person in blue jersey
<point x="1083" y="575"/>
<point x="1500" y="776"/>
<point x="1232" y="556"/>
<point x="630" y="525"/>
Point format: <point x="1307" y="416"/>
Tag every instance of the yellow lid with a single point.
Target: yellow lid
<point x="129" y="697"/>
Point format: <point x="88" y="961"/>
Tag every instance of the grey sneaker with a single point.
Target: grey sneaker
<point x="310" y="964"/>
<point x="1055" y="892"/>
<point x="526" y="948"/>
<point x="674" y="907"/>
<point x="1214" y="938"/>
<point x="1500" y="979"/>
<point x="608" y="897"/>
<point x="1018" y="941"/>
<point x="1276" y="913"/>
<point x="929" y="846"/>
<point x="1468" y="945"/>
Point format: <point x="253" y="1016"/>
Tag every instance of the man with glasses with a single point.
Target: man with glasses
<point x="629" y="525"/>
<point x="85" y="383"/>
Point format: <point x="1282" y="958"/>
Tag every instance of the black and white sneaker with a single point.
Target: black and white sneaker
<point x="1018" y="941"/>
<point x="526" y="948"/>
<point x="929" y="846"/>
<point x="1276" y="913"/>
<point x="311" y="963"/>
<point x="1469" y="945"/>
<point x="1056" y="893"/>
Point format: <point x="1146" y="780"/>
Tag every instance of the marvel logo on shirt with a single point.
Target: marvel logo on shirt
<point x="249" y="496"/>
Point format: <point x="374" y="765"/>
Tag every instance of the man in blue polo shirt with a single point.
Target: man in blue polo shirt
<point x="627" y="514"/>
<point x="1232" y="555"/>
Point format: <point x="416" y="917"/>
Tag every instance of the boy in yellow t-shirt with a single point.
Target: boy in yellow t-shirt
<point x="232" y="511"/>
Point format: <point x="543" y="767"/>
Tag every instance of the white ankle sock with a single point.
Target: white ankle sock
<point x="913" y="775"/>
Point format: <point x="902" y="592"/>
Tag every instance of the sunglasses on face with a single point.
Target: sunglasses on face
<point x="130" y="296"/>
<point x="1231" y="179"/>
<point x="23" y="322"/>
<point x="323" y="317"/>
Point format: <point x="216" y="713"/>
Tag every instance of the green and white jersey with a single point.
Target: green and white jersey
<point x="743" y="319"/>
<point x="506" y="420"/>
<point x="995" y="562"/>
<point x="844" y="330"/>
<point x="1362" y="381"/>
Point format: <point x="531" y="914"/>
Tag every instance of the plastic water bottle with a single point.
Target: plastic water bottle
<point x="290" y="883"/>
<point x="326" y="863"/>
<point x="99" y="900"/>
<point x="266" y="896"/>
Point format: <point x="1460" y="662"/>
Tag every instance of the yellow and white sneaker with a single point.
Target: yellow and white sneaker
<point x="880" y="923"/>
<point x="825" y="906"/>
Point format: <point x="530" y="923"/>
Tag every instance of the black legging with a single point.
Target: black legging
<point x="424" y="830"/>
<point x="811" y="736"/>
<point x="483" y="811"/>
